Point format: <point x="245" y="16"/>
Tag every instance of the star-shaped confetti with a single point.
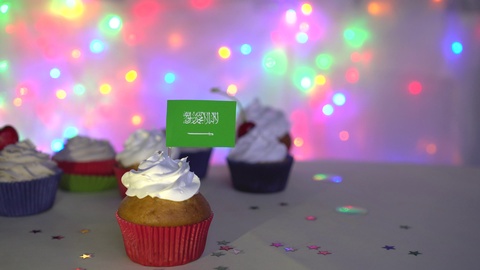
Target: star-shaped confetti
<point x="237" y="251"/>
<point x="388" y="247"/>
<point x="223" y="242"/>
<point x="276" y="244"/>
<point x="254" y="207"/>
<point x="58" y="237"/>
<point x="405" y="227"/>
<point x="313" y="247"/>
<point x="221" y="268"/>
<point x="415" y="253"/>
<point x="217" y="254"/>
<point x="84" y="231"/>
<point x="311" y="218"/>
<point x="227" y="248"/>
<point x="36" y="231"/>
<point x="290" y="249"/>
<point x="324" y="252"/>
<point x="86" y="255"/>
<point x="283" y="204"/>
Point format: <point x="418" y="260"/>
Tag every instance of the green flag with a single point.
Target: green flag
<point x="200" y="123"/>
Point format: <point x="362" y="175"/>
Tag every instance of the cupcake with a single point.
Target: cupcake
<point x="140" y="145"/>
<point x="260" y="161"/>
<point x="164" y="219"/>
<point x="87" y="165"/>
<point x="28" y="180"/>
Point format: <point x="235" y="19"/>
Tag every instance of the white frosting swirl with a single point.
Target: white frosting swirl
<point x="162" y="177"/>
<point x="21" y="162"/>
<point x="271" y="121"/>
<point x="82" y="148"/>
<point x="256" y="147"/>
<point x="140" y="145"/>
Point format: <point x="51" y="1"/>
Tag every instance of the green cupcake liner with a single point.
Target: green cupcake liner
<point x="87" y="183"/>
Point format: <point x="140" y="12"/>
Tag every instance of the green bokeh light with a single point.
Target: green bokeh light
<point x="275" y="62"/>
<point x="3" y="65"/>
<point x="324" y="61"/>
<point x="111" y="24"/>
<point x="304" y="78"/>
<point x="355" y="36"/>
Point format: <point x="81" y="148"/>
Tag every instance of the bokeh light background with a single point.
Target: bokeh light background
<point x="393" y="81"/>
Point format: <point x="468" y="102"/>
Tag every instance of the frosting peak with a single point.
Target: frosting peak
<point x="82" y="148"/>
<point x="162" y="177"/>
<point x="21" y="161"/>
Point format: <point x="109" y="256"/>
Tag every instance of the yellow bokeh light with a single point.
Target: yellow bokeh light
<point x="61" y="94"/>
<point x="17" y="102"/>
<point x="431" y="148"/>
<point x="70" y="9"/>
<point x="105" y="89"/>
<point x="224" y="52"/>
<point x="298" y="142"/>
<point x="136" y="120"/>
<point x="232" y="90"/>
<point x="307" y="9"/>
<point x="76" y="53"/>
<point x="344" y="135"/>
<point x="320" y="80"/>
<point x="131" y="76"/>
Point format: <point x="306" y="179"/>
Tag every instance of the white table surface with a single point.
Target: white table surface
<point x="439" y="205"/>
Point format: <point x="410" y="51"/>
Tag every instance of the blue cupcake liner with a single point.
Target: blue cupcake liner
<point x="198" y="161"/>
<point x="260" y="177"/>
<point x="29" y="197"/>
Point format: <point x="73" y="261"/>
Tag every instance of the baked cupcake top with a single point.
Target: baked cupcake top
<point x="83" y="149"/>
<point x="256" y="147"/>
<point x="22" y="162"/>
<point x="162" y="177"/>
<point x="140" y="145"/>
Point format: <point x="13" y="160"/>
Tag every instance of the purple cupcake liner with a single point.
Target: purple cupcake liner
<point x="28" y="197"/>
<point x="198" y="161"/>
<point x="260" y="177"/>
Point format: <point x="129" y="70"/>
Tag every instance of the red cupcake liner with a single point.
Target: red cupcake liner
<point x="119" y="172"/>
<point x="102" y="167"/>
<point x="164" y="246"/>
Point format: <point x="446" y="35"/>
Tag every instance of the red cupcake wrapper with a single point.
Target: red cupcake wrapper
<point x="119" y="172"/>
<point x="164" y="246"/>
<point x="102" y="167"/>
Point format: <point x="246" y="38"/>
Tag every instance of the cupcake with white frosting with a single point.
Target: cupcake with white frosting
<point x="140" y="145"/>
<point x="28" y="180"/>
<point x="164" y="219"/>
<point x="87" y="164"/>
<point x="260" y="162"/>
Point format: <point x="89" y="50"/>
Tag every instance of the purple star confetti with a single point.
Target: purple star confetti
<point x="223" y="242"/>
<point x="58" y="237"/>
<point x="311" y="218"/>
<point x="313" y="247"/>
<point x="36" y="231"/>
<point x="276" y="244"/>
<point x="388" y="247"/>
<point x="415" y="253"/>
<point x="290" y="249"/>
<point x="227" y="248"/>
<point x="221" y="268"/>
<point x="283" y="204"/>
<point x="324" y="252"/>
<point x="254" y="207"/>
<point x="217" y="254"/>
<point x="405" y="227"/>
